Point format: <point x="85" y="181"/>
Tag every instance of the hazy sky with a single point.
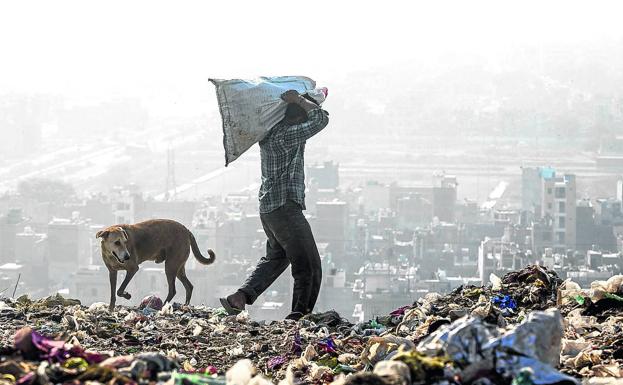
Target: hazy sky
<point x="164" y="52"/>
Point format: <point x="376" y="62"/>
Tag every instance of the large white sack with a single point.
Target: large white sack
<point x="250" y="108"/>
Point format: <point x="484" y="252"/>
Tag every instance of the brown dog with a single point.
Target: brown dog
<point x="124" y="247"/>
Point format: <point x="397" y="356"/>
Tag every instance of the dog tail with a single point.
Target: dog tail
<point x="197" y="253"/>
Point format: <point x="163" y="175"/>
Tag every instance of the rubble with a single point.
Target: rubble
<point x="529" y="327"/>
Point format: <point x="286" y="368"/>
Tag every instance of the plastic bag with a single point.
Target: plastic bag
<point x="250" y="108"/>
<point x="478" y="347"/>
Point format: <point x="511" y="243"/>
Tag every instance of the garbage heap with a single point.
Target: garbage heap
<point x="528" y="327"/>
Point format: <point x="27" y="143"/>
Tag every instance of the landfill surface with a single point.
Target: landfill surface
<point x="527" y="327"/>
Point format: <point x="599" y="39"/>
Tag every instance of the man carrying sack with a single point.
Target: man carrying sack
<point x="282" y="201"/>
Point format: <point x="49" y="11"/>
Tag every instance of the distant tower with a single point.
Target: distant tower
<point x="170" y="192"/>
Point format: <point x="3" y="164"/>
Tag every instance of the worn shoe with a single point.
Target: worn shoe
<point x="235" y="303"/>
<point x="295" y="316"/>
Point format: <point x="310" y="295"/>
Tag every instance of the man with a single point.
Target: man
<point x="282" y="201"/>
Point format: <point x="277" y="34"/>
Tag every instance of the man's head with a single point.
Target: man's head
<point x="295" y="114"/>
<point x="114" y="241"/>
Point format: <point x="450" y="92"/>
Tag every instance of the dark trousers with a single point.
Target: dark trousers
<point x="290" y="241"/>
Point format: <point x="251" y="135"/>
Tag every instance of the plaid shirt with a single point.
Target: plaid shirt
<point x="283" y="172"/>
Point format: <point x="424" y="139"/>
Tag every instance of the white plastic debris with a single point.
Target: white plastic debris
<point x="567" y="291"/>
<point x="316" y="372"/>
<point x="241" y="373"/>
<point x="131" y="316"/>
<point x="347" y="358"/>
<point x="243" y="317"/>
<point x="473" y="344"/>
<point x="238" y="351"/>
<point x="259" y="380"/>
<point x="167" y="309"/>
<point x="396" y="371"/>
<point x="496" y="282"/>
<point x="71" y="322"/>
<point x="309" y="354"/>
<point x="571" y="348"/>
<point x="98" y="307"/>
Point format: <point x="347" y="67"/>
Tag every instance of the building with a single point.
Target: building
<point x="91" y="284"/>
<point x="10" y="225"/>
<point x="236" y="235"/>
<point x="70" y="247"/>
<point x="495" y="256"/>
<point x="608" y="212"/>
<point x="558" y="204"/>
<point x="98" y="210"/>
<point x="413" y="211"/>
<point x="331" y="226"/>
<point x="542" y="237"/>
<point x="31" y="250"/>
<point x="585" y="225"/>
<point x="531" y="189"/>
<point x="325" y="176"/>
<point x="403" y="190"/>
<point x="468" y="212"/>
<point x="375" y="196"/>
<point x="444" y="198"/>
<point x="124" y="204"/>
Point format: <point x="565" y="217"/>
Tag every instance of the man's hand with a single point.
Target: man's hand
<point x="291" y="96"/>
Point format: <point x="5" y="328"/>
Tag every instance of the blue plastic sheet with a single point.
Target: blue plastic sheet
<point x="505" y="302"/>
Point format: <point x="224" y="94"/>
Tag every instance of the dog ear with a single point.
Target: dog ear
<point x="102" y="234"/>
<point x="125" y="235"/>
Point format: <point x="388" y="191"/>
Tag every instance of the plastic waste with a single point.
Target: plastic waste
<point x="383" y="348"/>
<point x="196" y="379"/>
<point x="395" y="371"/>
<point x="98" y="307"/>
<point x="309" y="354"/>
<point x="327" y="345"/>
<point x="400" y="311"/>
<point x="478" y="347"/>
<point x="365" y="379"/>
<point x="260" y="380"/>
<point x="152" y="302"/>
<point x="421" y="367"/>
<point x="319" y="373"/>
<point x="504" y="302"/>
<point x="276" y="362"/>
<point x="524" y="377"/>
<point x="35" y="346"/>
<point x="496" y="282"/>
<point x="452" y="346"/>
<point x="241" y="373"/>
<point x="571" y="348"/>
<point x="242" y="317"/>
<point x="347" y="358"/>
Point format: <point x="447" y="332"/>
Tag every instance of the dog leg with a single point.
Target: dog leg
<point x="112" y="275"/>
<point x="181" y="275"/>
<point x="171" y="271"/>
<point x="128" y="276"/>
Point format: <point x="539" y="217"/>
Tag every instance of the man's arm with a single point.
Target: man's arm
<point x="317" y="119"/>
<point x="293" y="96"/>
